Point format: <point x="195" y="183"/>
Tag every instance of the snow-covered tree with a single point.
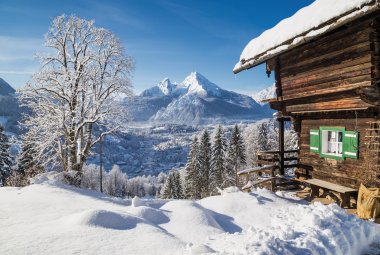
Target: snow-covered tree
<point x="205" y="163"/>
<point x="218" y="160"/>
<point x="178" y="189"/>
<point x="169" y="190"/>
<point x="91" y="177"/>
<point x="73" y="97"/>
<point x="116" y="182"/>
<point x="6" y="160"/>
<point x="262" y="137"/>
<point x="192" y="177"/>
<point x="26" y="162"/>
<point x="236" y="157"/>
<point x="173" y="186"/>
<point x="291" y="139"/>
<point x="26" y="166"/>
<point x="160" y="182"/>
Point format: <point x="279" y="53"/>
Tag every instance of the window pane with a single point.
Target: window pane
<point x="340" y="148"/>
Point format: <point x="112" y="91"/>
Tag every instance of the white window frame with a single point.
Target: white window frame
<point x="332" y="147"/>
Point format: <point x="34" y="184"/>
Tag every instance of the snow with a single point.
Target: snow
<point x="52" y="218"/>
<point x="136" y="202"/>
<point x="164" y="88"/>
<point x="269" y="92"/>
<point x="198" y="84"/>
<point x="300" y="27"/>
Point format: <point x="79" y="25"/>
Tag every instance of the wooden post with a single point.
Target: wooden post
<point x="345" y="200"/>
<point x="277" y="78"/>
<point x="281" y="145"/>
<point x="314" y="191"/>
<point x="280" y="118"/>
<point x="273" y="181"/>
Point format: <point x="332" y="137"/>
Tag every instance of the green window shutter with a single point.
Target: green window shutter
<point x="350" y="144"/>
<point x="314" y="140"/>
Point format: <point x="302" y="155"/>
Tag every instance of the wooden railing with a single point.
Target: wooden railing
<point x="268" y="163"/>
<point x="271" y="157"/>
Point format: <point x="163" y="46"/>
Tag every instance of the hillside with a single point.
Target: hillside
<point x="10" y="111"/>
<point x="5" y="88"/>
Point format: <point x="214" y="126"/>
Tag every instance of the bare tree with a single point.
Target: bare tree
<point x="73" y="96"/>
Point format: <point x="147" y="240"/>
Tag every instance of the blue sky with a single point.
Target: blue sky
<point x="166" y="38"/>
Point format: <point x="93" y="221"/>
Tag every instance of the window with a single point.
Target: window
<point x="334" y="142"/>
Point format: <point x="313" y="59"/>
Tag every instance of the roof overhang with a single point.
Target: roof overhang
<point x="304" y="37"/>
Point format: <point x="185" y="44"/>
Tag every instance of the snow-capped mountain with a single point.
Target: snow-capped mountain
<point x="196" y="100"/>
<point x="269" y="92"/>
<point x="199" y="85"/>
<point x="164" y="88"/>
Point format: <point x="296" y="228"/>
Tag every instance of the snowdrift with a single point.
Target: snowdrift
<point x="47" y="218"/>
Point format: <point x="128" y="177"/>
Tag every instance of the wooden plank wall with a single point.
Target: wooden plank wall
<point x="348" y="172"/>
<point x="343" y="57"/>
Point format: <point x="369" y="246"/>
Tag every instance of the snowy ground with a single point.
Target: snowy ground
<point x="51" y="218"/>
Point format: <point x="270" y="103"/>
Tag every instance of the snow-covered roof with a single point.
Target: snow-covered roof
<point x="314" y="20"/>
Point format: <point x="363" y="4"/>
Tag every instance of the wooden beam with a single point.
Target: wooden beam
<point x="370" y="95"/>
<point x="278" y="78"/>
<point x="342" y="104"/>
<point x="281" y="145"/>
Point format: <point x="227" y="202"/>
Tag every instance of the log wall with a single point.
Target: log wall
<point x="335" y="65"/>
<point x="347" y="172"/>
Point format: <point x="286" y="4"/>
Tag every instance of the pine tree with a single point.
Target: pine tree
<point x="26" y="164"/>
<point x="178" y="192"/>
<point x="167" y="191"/>
<point x="263" y="137"/>
<point x="218" y="160"/>
<point x="5" y="157"/>
<point x="173" y="186"/>
<point x="192" y="182"/>
<point x="236" y="157"/>
<point x="205" y="163"/>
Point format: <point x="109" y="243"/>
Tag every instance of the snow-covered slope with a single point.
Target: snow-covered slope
<point x="269" y="92"/>
<point x="196" y="100"/>
<point x="51" y="218"/>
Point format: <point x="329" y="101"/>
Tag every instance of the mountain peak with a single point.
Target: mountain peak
<point x="166" y="86"/>
<point x="266" y="93"/>
<point x="163" y="88"/>
<point x="198" y="84"/>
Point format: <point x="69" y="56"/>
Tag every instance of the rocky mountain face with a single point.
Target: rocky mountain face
<point x="269" y="92"/>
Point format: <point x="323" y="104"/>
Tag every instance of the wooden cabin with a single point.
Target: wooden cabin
<point x="327" y="75"/>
